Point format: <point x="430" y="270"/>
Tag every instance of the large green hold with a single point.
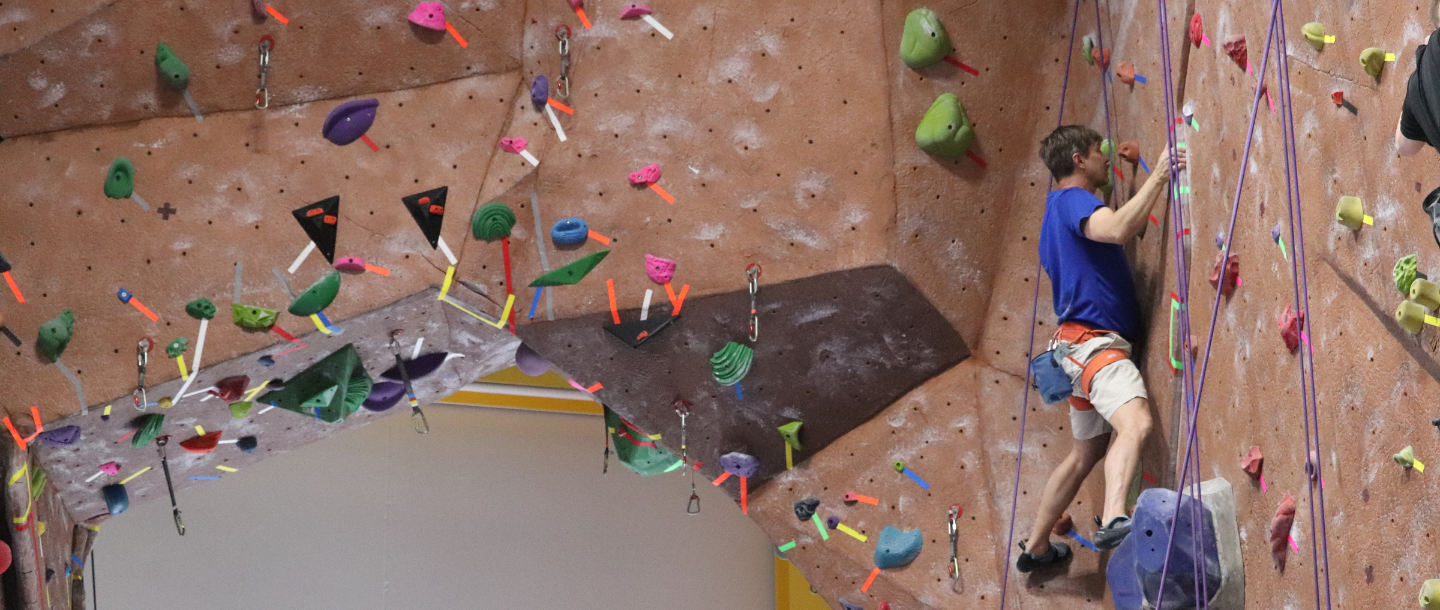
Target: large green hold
<point x="945" y="131"/>
<point x="253" y="318"/>
<point x="55" y="335"/>
<point x="924" y="42"/>
<point x="200" y="309"/>
<point x="636" y="450"/>
<point x="329" y="390"/>
<point x="571" y="273"/>
<point x="492" y="221"/>
<point x="120" y="182"/>
<point x="1405" y="271"/>
<point x="318" y="296"/>
<point x="148" y="429"/>
<point x="731" y="363"/>
<point x="1314" y="34"/>
<point x="1374" y="61"/>
<point x="173" y="71"/>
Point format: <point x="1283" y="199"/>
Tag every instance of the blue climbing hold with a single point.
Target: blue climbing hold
<point x="896" y="549"/>
<point x="569" y="232"/>
<point x="540" y="91"/>
<point x="116" y="500"/>
<point x="247" y="444"/>
<point x="1134" y="568"/>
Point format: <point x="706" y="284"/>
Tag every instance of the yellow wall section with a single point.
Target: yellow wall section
<point x="792" y="591"/>
<point x="513" y="376"/>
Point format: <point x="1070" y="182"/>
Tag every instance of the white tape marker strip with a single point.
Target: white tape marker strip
<point x="140" y="200"/>
<point x="416" y="353"/>
<point x="531" y="158"/>
<point x="659" y="28"/>
<point x="95" y="476"/>
<point x="195" y="364"/>
<point x="195" y="110"/>
<point x="554" y="120"/>
<point x="310" y="247"/>
<point x="450" y="256"/>
<point x="645" y="309"/>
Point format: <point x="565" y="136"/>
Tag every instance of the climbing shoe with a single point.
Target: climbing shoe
<point x="1431" y="205"/>
<point x="1110" y="536"/>
<point x="1058" y="553"/>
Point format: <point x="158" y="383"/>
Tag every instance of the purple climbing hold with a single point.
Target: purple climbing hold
<point x="420" y="367"/>
<point x="61" y="436"/>
<point x="530" y="362"/>
<point x="384" y="394"/>
<point x="848" y="605"/>
<point x="540" y="91"/>
<point x="740" y="464"/>
<point x="1220" y="241"/>
<point x="348" y="121"/>
<point x="832" y="522"/>
<point x="1275" y="233"/>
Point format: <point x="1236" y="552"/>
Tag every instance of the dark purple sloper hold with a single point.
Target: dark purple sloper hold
<point x="530" y="362"/>
<point x="61" y="436"/>
<point x="540" y="91"/>
<point x="384" y="394"/>
<point x="417" y="368"/>
<point x="348" y="121"/>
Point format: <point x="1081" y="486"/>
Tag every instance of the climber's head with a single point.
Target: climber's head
<point x="1075" y="149"/>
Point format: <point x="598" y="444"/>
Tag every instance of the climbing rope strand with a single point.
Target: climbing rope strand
<point x="1303" y="291"/>
<point x="1215" y="308"/>
<point x="1105" y="91"/>
<point x="1030" y="347"/>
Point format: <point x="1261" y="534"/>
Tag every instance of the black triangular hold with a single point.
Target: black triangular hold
<point x="321" y="221"/>
<point x="640" y="331"/>
<point x="428" y="210"/>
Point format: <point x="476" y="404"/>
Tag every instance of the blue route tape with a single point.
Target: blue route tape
<point x="1076" y="535"/>
<point x="918" y="481"/>
<point x="739" y="394"/>
<point x="535" y="301"/>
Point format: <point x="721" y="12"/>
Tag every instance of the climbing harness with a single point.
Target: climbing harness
<point x="682" y="409"/>
<point x="752" y="276"/>
<point x="417" y="417"/>
<point x="262" y="95"/>
<point x="142" y="357"/>
<point x="562" y="84"/>
<point x="951" y="516"/>
<point x="160" y="443"/>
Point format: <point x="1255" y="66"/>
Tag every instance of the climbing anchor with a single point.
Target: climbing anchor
<point x="752" y="276"/>
<point x="951" y="516"/>
<point x="562" y="84"/>
<point x="262" y="95"/>
<point x="682" y="409"/>
<point x="142" y="357"/>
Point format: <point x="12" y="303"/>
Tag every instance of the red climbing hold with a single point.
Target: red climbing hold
<point x="1101" y="56"/>
<point x="1291" y="325"/>
<point x="1253" y="463"/>
<point x="204" y="443"/>
<point x="1125" y="71"/>
<point x="1338" y="97"/>
<point x="1280" y="530"/>
<point x="1197" y="31"/>
<point x="1232" y="272"/>
<point x="1235" y="48"/>
<point x="1063" y="525"/>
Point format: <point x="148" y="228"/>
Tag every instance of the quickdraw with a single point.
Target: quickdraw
<point x="562" y="84"/>
<point x="262" y="95"/>
<point x="142" y="358"/>
<point x="752" y="277"/>
<point x="682" y="409"/>
<point x="160" y="443"/>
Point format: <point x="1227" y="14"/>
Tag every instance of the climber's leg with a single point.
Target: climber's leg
<point x="1060" y="490"/>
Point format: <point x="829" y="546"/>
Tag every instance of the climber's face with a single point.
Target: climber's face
<point x="1094" y="166"/>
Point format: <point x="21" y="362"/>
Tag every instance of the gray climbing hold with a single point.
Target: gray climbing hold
<point x="740" y="464"/>
<point x="805" y="509"/>
<point x="896" y="549"/>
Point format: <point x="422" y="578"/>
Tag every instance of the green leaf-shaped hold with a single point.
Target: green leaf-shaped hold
<point x="239" y="410"/>
<point x="55" y="335"/>
<point x="318" y="296"/>
<point x="177" y="347"/>
<point x="120" y="182"/>
<point x="200" y="309"/>
<point x="148" y="429"/>
<point x="791" y="434"/>
<point x="1314" y="34"/>
<point x="317" y="391"/>
<point x="571" y="273"/>
<point x="945" y="131"/>
<point x="1373" y="59"/>
<point x="731" y="363"/>
<point x="173" y="71"/>
<point x="924" y="41"/>
<point x="1405" y="269"/>
<point x="492" y="221"/>
<point x="254" y="318"/>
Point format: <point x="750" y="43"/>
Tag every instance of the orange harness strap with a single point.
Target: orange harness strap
<point x="1076" y="334"/>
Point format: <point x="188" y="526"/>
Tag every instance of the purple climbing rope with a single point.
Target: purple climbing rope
<point x="1030" y="347"/>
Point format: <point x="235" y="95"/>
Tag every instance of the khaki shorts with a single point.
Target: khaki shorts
<point x="1113" y="385"/>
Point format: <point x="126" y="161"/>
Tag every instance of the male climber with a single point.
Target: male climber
<point x="1081" y="248"/>
<point x="1420" y="115"/>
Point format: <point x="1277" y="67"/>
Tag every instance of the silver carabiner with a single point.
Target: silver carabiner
<point x="262" y="95"/>
<point x="562" y="84"/>
<point x="752" y="276"/>
<point x="142" y="359"/>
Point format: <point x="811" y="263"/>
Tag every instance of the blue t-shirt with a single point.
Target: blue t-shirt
<point x="1090" y="280"/>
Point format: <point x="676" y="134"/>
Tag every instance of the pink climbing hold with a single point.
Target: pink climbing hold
<point x="350" y="264"/>
<point x="110" y="468"/>
<point x="576" y="3"/>
<point x="660" y="270"/>
<point x="1291" y="325"/>
<point x="1232" y="271"/>
<point x="1197" y="30"/>
<point x="647" y="174"/>
<point x="1280" y="530"/>
<point x="513" y="145"/>
<point x="635" y="10"/>
<point x="429" y="15"/>
<point x="1235" y="48"/>
<point x="1253" y="463"/>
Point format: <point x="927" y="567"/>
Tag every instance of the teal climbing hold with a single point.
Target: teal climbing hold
<point x="945" y="131"/>
<point x="924" y="41"/>
<point x="896" y="549"/>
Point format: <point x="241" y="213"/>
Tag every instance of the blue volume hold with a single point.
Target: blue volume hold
<point x="569" y="232"/>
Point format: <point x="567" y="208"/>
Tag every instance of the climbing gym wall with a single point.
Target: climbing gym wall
<point x="720" y="219"/>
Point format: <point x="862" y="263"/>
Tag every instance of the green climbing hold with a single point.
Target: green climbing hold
<point x="1314" y="34"/>
<point x="200" y="309"/>
<point x="731" y="363"/>
<point x="120" y="183"/>
<point x="492" y="221"/>
<point x="316" y="391"/>
<point x="571" y="273"/>
<point x="1087" y="47"/>
<point x="1411" y="316"/>
<point x="1374" y="61"/>
<point x="177" y="347"/>
<point x="635" y="449"/>
<point x="254" y="318"/>
<point x="1430" y="594"/>
<point x="1406" y="457"/>
<point x="174" y="72"/>
<point x="239" y="410"/>
<point x="924" y="42"/>
<point x="1405" y="269"/>
<point x="945" y="131"/>
<point x="317" y="297"/>
<point x="791" y="433"/>
<point x="55" y="335"/>
<point x="148" y="429"/>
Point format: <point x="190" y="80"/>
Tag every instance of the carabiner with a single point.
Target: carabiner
<point x="262" y="95"/>
<point x="752" y="277"/>
<point x="693" y="508"/>
<point x="142" y="359"/>
<point x="562" y="84"/>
